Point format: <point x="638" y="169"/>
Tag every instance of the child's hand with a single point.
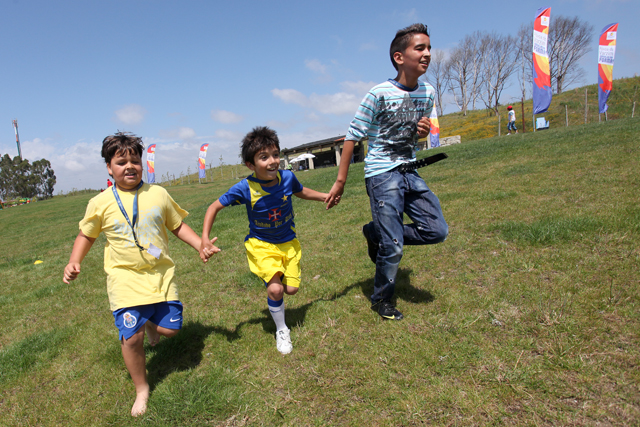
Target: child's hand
<point x="424" y="125"/>
<point x="333" y="202"/>
<point x="71" y="271"/>
<point x="207" y="249"/>
<point x="335" y="194"/>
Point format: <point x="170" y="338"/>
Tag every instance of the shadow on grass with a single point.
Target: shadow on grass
<point x="182" y="352"/>
<point x="297" y="315"/>
<point x="404" y="290"/>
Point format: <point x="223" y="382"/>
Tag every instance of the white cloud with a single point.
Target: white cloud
<point x="357" y="88"/>
<point x="225" y="117"/>
<point x="337" y="103"/>
<point x="36" y="149"/>
<point x="291" y="96"/>
<point x="74" y="166"/>
<point x="230" y="136"/>
<point x="345" y="102"/>
<point x="315" y="66"/>
<point x="131" y="114"/>
<point x="182" y="133"/>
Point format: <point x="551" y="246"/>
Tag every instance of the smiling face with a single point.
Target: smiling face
<point x="415" y="59"/>
<point x="126" y="170"/>
<point x="266" y="163"/>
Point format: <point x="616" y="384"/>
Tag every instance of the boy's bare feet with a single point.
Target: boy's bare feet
<point x="152" y="334"/>
<point x="140" y="405"/>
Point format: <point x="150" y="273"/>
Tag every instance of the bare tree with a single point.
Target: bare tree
<point x="525" y="58"/>
<point x="499" y="65"/>
<point x="437" y="77"/>
<point x="463" y="71"/>
<point x="476" y="44"/>
<point x="457" y="78"/>
<point x="569" y="40"/>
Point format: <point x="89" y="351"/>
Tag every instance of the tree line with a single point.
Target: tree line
<point x="484" y="64"/>
<point x="19" y="178"/>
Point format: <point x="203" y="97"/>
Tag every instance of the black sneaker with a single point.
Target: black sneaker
<point x="372" y="247"/>
<point x="386" y="310"/>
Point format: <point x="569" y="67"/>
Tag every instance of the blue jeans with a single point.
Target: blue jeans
<point x="392" y="194"/>
<point x="511" y="126"/>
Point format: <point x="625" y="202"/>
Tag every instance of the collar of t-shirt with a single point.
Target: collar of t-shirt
<point x="403" y="87"/>
<point x="253" y="178"/>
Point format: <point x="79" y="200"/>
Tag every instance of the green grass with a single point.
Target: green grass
<point x="527" y="314"/>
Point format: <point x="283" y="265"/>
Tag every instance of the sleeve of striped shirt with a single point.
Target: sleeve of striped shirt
<point x="363" y="120"/>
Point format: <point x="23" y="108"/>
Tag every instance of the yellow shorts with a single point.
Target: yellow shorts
<point x="268" y="259"/>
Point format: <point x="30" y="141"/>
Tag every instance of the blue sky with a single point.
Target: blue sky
<point x="180" y="74"/>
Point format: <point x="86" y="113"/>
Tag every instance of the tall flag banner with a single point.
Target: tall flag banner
<point x="541" y="74"/>
<point x="151" y="170"/>
<point x="434" y="131"/>
<point x="606" y="54"/>
<point x="201" y="157"/>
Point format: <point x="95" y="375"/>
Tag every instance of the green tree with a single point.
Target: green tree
<point x="43" y="177"/>
<point x="19" y="178"/>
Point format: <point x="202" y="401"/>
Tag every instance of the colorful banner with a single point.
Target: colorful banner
<point x="434" y="131"/>
<point x="151" y="170"/>
<point x="541" y="75"/>
<point x="201" y="157"/>
<point x="606" y="54"/>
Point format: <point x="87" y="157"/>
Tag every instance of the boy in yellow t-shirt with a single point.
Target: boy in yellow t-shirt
<point x="134" y="217"/>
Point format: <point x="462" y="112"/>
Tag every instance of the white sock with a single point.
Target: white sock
<point x="276" y="308"/>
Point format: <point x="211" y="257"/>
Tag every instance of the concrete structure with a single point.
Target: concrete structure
<point x="328" y="151"/>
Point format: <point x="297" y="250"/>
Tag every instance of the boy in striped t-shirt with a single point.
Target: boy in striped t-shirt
<point x="392" y="116"/>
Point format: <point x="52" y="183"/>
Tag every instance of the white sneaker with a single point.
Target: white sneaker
<point x="283" y="341"/>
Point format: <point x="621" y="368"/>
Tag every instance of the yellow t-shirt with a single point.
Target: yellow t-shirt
<point x="135" y="277"/>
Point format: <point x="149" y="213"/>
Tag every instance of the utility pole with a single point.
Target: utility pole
<point x="15" y="127"/>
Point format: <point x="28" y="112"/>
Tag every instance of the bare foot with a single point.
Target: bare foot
<point x="140" y="405"/>
<point x="152" y="334"/>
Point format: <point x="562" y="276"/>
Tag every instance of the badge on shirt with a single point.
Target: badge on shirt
<point x="154" y="251"/>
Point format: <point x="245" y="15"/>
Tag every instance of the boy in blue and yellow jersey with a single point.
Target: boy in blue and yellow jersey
<point x="142" y="291"/>
<point x="391" y="117"/>
<point x="272" y="248"/>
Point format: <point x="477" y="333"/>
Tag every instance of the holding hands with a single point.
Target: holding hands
<point x="207" y="249"/>
<point x="334" y="196"/>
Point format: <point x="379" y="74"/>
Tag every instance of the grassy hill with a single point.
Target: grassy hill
<point x="480" y="124"/>
<point x="527" y="315"/>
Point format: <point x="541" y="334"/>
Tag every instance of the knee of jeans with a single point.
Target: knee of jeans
<point x="393" y="254"/>
<point x="434" y="235"/>
<point x="442" y="233"/>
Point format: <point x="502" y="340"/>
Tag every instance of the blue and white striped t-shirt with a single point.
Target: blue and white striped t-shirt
<point x="388" y="117"/>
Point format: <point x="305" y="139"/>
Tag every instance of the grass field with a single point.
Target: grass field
<point x="527" y="315"/>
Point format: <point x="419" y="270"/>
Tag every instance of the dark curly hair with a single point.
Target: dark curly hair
<point x="260" y="137"/>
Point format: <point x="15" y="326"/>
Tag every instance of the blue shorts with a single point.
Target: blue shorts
<point x="129" y="320"/>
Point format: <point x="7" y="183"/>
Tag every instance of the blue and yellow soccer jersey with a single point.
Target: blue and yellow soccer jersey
<point x="269" y="209"/>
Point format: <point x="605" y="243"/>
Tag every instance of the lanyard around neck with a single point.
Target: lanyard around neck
<point x="135" y="212"/>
